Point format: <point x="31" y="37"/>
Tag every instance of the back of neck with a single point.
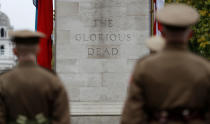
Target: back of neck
<point x="176" y="45"/>
<point x="28" y="57"/>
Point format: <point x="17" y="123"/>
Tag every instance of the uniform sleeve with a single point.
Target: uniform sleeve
<point x="61" y="114"/>
<point x="133" y="112"/>
<point x="2" y="108"/>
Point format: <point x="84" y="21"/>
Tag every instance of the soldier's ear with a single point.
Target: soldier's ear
<point x="37" y="49"/>
<point x="163" y="34"/>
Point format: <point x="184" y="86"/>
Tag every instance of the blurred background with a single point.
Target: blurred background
<point x="21" y="13"/>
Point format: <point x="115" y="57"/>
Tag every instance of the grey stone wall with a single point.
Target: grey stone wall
<point x="98" y="43"/>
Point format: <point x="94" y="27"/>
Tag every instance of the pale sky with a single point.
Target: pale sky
<point x="20" y="12"/>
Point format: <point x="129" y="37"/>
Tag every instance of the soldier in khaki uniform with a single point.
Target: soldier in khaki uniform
<point x="155" y="44"/>
<point x="29" y="92"/>
<point x="173" y="86"/>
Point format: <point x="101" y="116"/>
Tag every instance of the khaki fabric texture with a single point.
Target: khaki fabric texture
<point x="169" y="79"/>
<point x="26" y="34"/>
<point x="30" y="90"/>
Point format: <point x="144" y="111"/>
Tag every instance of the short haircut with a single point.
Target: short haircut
<point x="26" y="41"/>
<point x="26" y="49"/>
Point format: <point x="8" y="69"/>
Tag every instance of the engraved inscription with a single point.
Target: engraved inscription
<point x="103" y="23"/>
<point x="105" y="41"/>
<point x="102" y="37"/>
<point x="103" y="51"/>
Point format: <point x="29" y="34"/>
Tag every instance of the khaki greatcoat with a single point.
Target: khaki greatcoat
<point x="172" y="78"/>
<point x="30" y="90"/>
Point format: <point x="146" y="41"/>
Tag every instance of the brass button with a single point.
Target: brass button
<point x="164" y="114"/>
<point x="186" y="112"/>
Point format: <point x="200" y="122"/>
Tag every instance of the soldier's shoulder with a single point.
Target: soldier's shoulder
<point x="200" y="60"/>
<point x="142" y="62"/>
<point x="5" y="72"/>
<point x="52" y="72"/>
<point x="142" y="59"/>
<point x="51" y="76"/>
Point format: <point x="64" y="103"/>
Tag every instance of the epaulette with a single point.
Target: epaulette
<point x="5" y="71"/>
<point x="143" y="58"/>
<point x="48" y="70"/>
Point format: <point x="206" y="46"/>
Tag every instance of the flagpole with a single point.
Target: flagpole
<point x="55" y="36"/>
<point x="151" y="16"/>
<point x="36" y="18"/>
<point x="36" y="15"/>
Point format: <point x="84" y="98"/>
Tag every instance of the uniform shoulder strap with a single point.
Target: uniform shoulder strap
<point x="48" y="70"/>
<point x="4" y="72"/>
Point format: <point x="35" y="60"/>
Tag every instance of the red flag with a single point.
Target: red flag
<point x="45" y="25"/>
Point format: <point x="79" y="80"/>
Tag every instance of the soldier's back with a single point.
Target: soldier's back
<point x="29" y="90"/>
<point x="176" y="78"/>
<point x="176" y="81"/>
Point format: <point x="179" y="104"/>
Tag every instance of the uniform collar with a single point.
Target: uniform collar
<point x="26" y="63"/>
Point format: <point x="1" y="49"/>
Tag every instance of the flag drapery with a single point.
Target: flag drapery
<point x="158" y="4"/>
<point x="44" y="23"/>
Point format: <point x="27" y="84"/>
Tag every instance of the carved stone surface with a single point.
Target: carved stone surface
<point x="98" y="43"/>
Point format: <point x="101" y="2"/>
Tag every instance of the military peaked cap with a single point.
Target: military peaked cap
<point x="178" y="15"/>
<point x="26" y="36"/>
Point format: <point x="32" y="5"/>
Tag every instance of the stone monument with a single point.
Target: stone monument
<point x="97" y="45"/>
